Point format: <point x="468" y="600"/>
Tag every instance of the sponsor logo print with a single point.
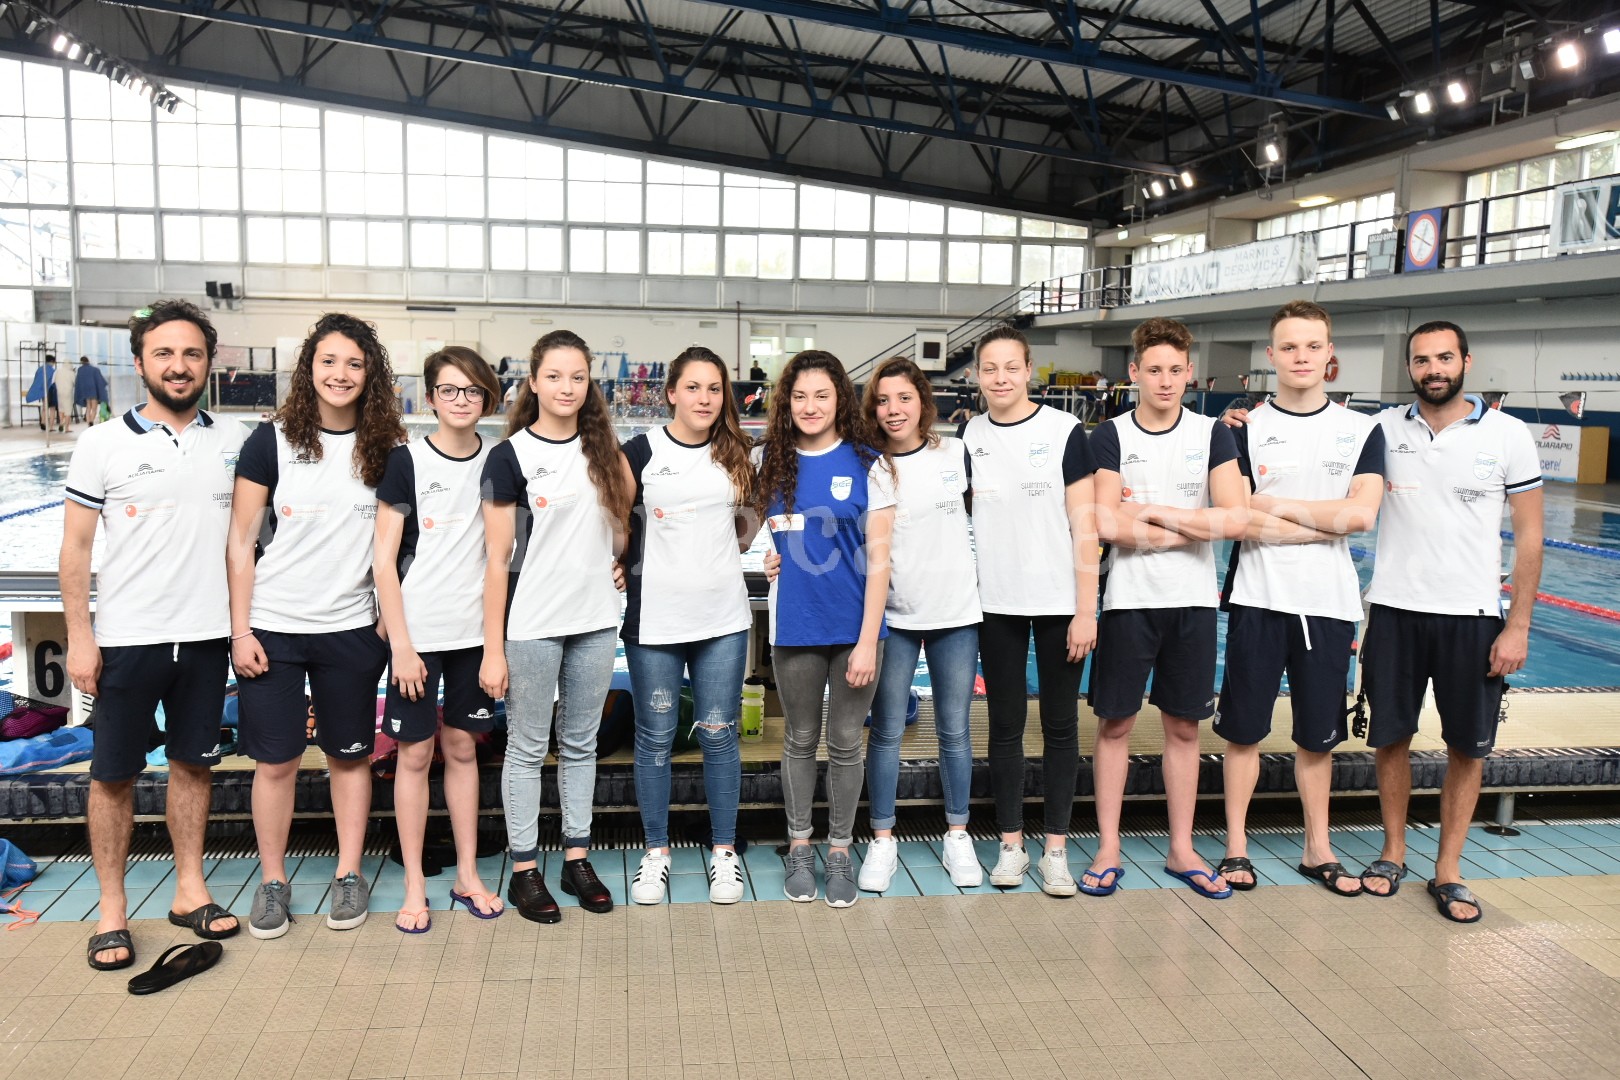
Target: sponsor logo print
<point x="1552" y="433"/>
<point x="666" y="471"/>
<point x="427" y="523"/>
<point x="1403" y="448"/>
<point x="979" y="451"/>
<point x="218" y="749"/>
<point x="658" y="512"/>
<point x="1272" y="440"/>
<point x="540" y="473"/>
<point x="1134" y="459"/>
<point x="479" y="714"/>
<point x="395" y="724"/>
<point x="130" y="510"/>
<point x="353" y="748"/>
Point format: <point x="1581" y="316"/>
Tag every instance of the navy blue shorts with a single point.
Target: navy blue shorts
<point x="187" y="678"/>
<point x="1404" y="650"/>
<point x="1174" y="645"/>
<point x="1315" y="652"/>
<point x="342" y="667"/>
<point x="466" y="706"/>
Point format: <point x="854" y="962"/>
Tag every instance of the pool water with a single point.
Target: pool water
<point x="1567" y="648"/>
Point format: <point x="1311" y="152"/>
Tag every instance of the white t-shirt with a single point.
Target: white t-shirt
<point x="1163" y="468"/>
<point x="564" y="551"/>
<point x="165" y="504"/>
<point x="314" y="576"/>
<point x="1440" y="528"/>
<point x="1020" y="474"/>
<point x="441" y="551"/>
<point x="685" y="579"/>
<point x="1309" y="457"/>
<point x="933" y="583"/>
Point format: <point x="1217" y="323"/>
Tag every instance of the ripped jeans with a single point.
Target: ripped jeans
<point x="716" y="667"/>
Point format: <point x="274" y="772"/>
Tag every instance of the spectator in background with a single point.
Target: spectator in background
<point x="89" y="389"/>
<point x="757" y="373"/>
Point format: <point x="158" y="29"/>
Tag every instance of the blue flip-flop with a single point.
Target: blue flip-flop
<point x="472" y="907"/>
<point x="1101" y="890"/>
<point x="1188" y="878"/>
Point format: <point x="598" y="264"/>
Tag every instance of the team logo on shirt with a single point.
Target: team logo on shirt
<point x="950" y="476"/>
<point x="1484" y="465"/>
<point x="1039" y="452"/>
<point x="842" y="486"/>
<point x="1195" y="460"/>
<point x="1345" y="443"/>
<point x="230" y="459"/>
<point x="979" y="451"/>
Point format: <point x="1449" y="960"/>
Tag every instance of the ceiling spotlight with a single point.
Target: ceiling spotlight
<point x="1273" y="155"/>
<point x="1587" y="140"/>
<point x="1123" y="234"/>
<point x="1611" y="41"/>
<point x="1186" y="178"/>
<point x="60" y="43"/>
<point x="1568" y="56"/>
<point x="1456" y="92"/>
<point x="74" y="50"/>
<point x="1157" y="187"/>
<point x="1146" y="194"/>
<point x="33" y="27"/>
<point x="1393" y="108"/>
<point x="1423" y="102"/>
<point x="1529" y="69"/>
<point x="1161" y="238"/>
<point x="1314" y="200"/>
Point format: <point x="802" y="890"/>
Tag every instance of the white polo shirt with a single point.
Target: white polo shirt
<point x="685" y="579"/>
<point x="441" y="550"/>
<point x="1440" y="529"/>
<point x="314" y="573"/>
<point x="1021" y="474"/>
<point x="1163" y="468"/>
<point x="165" y="502"/>
<point x="564" y="550"/>
<point x="1308" y="457"/>
<point x="933" y="583"/>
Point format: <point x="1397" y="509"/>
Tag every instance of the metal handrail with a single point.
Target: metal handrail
<point x="1010" y="304"/>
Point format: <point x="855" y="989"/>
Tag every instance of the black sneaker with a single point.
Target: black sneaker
<point x="578" y="879"/>
<point x="528" y="893"/>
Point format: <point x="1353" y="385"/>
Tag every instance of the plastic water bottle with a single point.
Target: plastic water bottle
<point x="752" y="725"/>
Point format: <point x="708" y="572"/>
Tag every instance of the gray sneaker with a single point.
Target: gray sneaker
<point x="841" y="890"/>
<point x="800" y="885"/>
<point x="350" y="899"/>
<point x="270" y="917"/>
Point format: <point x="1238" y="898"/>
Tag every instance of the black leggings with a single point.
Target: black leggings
<point x="1004" y="652"/>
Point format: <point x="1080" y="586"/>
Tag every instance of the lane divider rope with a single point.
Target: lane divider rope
<point x="1572" y="605"/>
<point x="30" y="510"/>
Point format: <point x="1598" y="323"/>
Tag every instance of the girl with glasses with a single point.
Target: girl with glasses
<point x="430" y="585"/>
<point x="687" y="609"/>
<point x="561" y="464"/>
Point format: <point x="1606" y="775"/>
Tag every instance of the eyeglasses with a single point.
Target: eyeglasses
<point x="447" y="393"/>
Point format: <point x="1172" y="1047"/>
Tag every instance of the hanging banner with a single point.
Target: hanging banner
<point x="1574" y="402"/>
<point x="1585" y="216"/>
<point x="1560" y="450"/>
<point x="1265" y="264"/>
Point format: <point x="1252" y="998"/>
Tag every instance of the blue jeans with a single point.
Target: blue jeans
<point x="716" y="666"/>
<point x="953" y="656"/>
<point x="578" y="670"/>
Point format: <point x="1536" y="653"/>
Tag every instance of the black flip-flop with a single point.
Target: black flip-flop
<point x="1329" y="874"/>
<point x="198" y="921"/>
<point x="188" y="960"/>
<point x="1241" y="865"/>
<point x="112" y="939"/>
<point x="1383" y="868"/>
<point x="1455" y="892"/>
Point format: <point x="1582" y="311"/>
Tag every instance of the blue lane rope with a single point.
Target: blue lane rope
<point x="1570" y="545"/>
<point x="30" y="510"/>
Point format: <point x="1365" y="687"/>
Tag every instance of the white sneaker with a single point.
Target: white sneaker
<point x="651" y="880"/>
<point x="877" y="868"/>
<point x="725" y="878"/>
<point x="1056" y="880"/>
<point x="1011" y="865"/>
<point x="961" y="861"/>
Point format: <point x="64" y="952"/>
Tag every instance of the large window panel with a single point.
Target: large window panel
<point x="907" y="215"/>
<point x="117" y="236"/>
<point x="281" y="156"/>
<point x="849" y="258"/>
<point x="367" y="243"/>
<point x="691" y="254"/>
<point x="682" y="195"/>
<point x="889" y="260"/>
<point x="519" y="247"/>
<point x="364" y="164"/>
<point x="189" y="238"/>
<point x="447" y="245"/>
<point x="754" y="202"/>
<point x="597" y="251"/>
<point x="604" y="187"/>
<point x="446" y="171"/>
<point x="815" y="257"/>
<point x="284" y="240"/>
<point x="35" y="247"/>
<point x="197" y="152"/>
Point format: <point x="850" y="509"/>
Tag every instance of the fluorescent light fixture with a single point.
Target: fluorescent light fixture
<point x="1587" y="140"/>
<point x="1456" y="92"/>
<point x="1611" y="41"/>
<point x="1157" y="187"/>
<point x="61" y="42"/>
<point x="1314" y="200"/>
<point x="74" y="50"/>
<point x="1123" y="234"/>
<point x="1160" y="238"/>
<point x="1568" y="56"/>
<point x="1393" y="108"/>
<point x="1273" y="155"/>
<point x="1186" y="178"/>
<point x="1423" y="102"/>
<point x="1146" y="194"/>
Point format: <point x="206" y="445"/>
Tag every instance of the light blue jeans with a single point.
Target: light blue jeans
<point x="577" y="669"/>
<point x="716" y="666"/>
<point x="953" y="660"/>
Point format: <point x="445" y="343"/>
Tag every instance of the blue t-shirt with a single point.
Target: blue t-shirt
<point x="820" y="594"/>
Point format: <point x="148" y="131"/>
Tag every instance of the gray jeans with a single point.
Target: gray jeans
<point x="578" y="669"/>
<point x="804" y="674"/>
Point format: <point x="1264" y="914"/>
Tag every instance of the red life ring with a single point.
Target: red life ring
<point x="1332" y="371"/>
